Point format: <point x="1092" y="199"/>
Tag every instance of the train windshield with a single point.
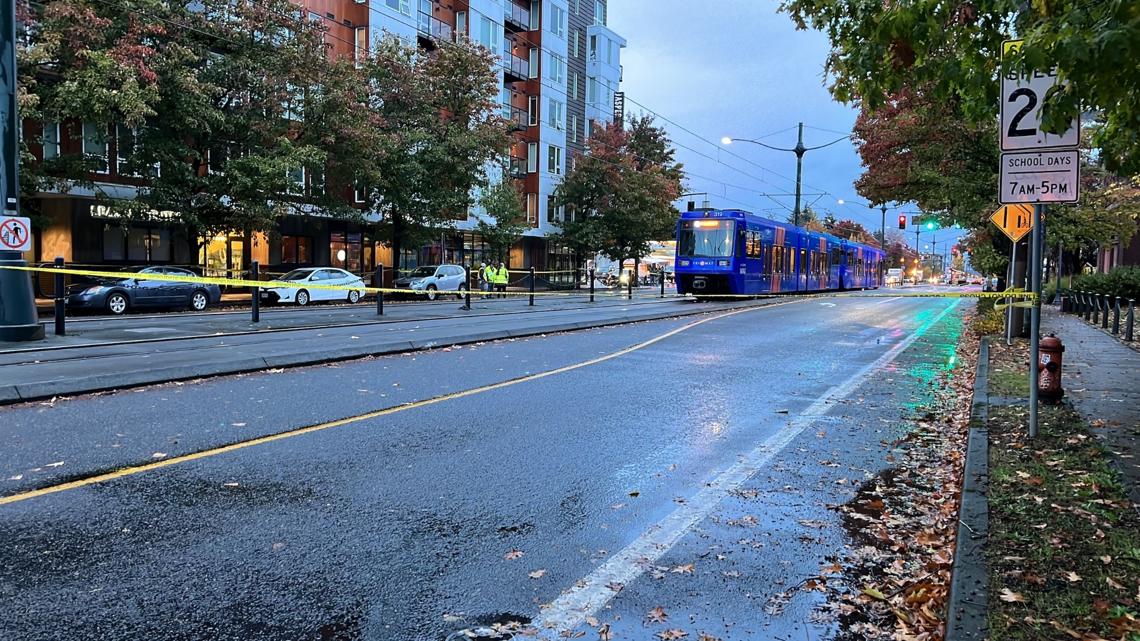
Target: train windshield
<point x="706" y="238"/>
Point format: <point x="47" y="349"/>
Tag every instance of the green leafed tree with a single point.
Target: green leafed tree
<point x="502" y="202"/>
<point x="621" y="191"/>
<point x="438" y="127"/>
<point x="954" y="50"/>
<point x="230" y="115"/>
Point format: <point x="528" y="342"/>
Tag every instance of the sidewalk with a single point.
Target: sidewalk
<point x="1102" y="381"/>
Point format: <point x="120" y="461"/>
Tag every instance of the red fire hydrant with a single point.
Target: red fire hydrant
<point x="1049" y="379"/>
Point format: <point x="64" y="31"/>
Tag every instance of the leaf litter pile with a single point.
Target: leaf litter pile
<point x="1064" y="546"/>
<point x="895" y="579"/>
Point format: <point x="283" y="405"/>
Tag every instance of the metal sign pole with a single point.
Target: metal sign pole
<point x="1009" y="285"/>
<point x="19" y="319"/>
<point x="1035" y="317"/>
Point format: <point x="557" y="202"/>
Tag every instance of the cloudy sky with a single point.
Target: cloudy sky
<point x="738" y="68"/>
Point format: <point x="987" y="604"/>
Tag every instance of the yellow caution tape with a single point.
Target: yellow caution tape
<point x="276" y="284"/>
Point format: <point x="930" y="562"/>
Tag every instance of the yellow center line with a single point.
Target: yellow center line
<point x="261" y="440"/>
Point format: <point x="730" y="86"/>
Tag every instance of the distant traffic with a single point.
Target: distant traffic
<point x="734" y="252"/>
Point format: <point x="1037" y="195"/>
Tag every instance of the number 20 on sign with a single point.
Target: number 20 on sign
<point x="1022" y="96"/>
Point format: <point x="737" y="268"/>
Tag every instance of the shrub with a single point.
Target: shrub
<point x="987" y="320"/>
<point x="1121" y="281"/>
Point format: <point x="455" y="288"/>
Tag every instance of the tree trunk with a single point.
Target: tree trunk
<point x="397" y="243"/>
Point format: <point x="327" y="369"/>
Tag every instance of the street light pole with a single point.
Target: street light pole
<point x="799" y="150"/>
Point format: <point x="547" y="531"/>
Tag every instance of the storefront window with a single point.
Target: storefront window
<point x="295" y="250"/>
<point x="346" y="250"/>
<point x="114" y="245"/>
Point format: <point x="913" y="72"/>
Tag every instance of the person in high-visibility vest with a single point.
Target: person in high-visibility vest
<point x="502" y="277"/>
<point x="489" y="276"/>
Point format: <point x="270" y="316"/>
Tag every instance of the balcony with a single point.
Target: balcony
<point x="516" y="18"/>
<point x="520" y="119"/>
<point x="433" y="30"/>
<point x="517" y="69"/>
<point x="516" y="168"/>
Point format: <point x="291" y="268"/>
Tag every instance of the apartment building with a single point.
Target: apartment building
<point x="560" y="67"/>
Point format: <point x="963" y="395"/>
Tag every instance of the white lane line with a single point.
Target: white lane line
<point x="590" y="594"/>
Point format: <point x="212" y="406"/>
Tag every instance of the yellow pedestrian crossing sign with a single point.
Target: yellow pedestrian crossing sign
<point x="1014" y="221"/>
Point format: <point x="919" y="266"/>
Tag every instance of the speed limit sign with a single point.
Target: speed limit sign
<point x="1022" y="96"/>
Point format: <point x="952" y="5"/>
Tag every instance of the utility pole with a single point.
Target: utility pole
<point x="19" y="320"/>
<point x="799" y="149"/>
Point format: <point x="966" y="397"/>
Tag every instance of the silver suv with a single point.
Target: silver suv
<point x="432" y="281"/>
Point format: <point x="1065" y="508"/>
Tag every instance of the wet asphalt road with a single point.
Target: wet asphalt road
<point x="397" y="526"/>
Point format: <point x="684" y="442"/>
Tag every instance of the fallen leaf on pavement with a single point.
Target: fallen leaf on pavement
<point x="1072" y="577"/>
<point x="604" y="633"/>
<point x="1010" y="596"/>
<point x="704" y="636"/>
<point x="670" y="635"/>
<point x="615" y="586"/>
<point x="158" y="455"/>
<point x="592" y="622"/>
<point x="657" y="615"/>
<point x="537" y="574"/>
<point x="513" y="554"/>
<point x="683" y="569"/>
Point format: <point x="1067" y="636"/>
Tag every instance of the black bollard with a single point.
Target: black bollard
<point x="629" y="285"/>
<point x="1116" y="317"/>
<point x="662" y="277"/>
<point x="1105" y="299"/>
<point x="380" y="289"/>
<point x="255" y="298"/>
<point x="532" y="287"/>
<point x="1130" y="319"/>
<point x="591" y="285"/>
<point x="60" y="300"/>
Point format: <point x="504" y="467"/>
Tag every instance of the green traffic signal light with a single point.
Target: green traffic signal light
<point x="930" y="225"/>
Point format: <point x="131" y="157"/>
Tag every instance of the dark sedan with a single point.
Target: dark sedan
<point x="117" y="295"/>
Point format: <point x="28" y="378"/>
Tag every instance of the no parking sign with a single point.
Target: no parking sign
<point x="15" y="234"/>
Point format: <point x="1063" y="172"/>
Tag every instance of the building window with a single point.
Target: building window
<point x="575" y="43"/>
<point x="554" y="160"/>
<point x="610" y="52"/>
<point x="461" y="22"/>
<point x="317" y="181"/>
<point x="573" y="87"/>
<point x="295" y="250"/>
<point x="558" y="20"/>
<point x="531" y="157"/>
<point x="95" y="146"/>
<point x="126" y="141"/>
<point x="557" y="72"/>
<point x="590" y="124"/>
<point x="532" y="209"/>
<point x="403" y="6"/>
<point x="573" y="127"/>
<point x="592" y="90"/>
<point x="489" y="33"/>
<point x="360" y="46"/>
<point x="51" y="140"/>
<point x="535" y="12"/>
<point x="296" y="181"/>
<point x="599" y="12"/>
<point x="556" y="114"/>
<point x="532" y="110"/>
<point x="554" y="214"/>
<point x="533" y="63"/>
<point x="593" y="47"/>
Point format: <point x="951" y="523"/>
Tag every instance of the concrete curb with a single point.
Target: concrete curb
<point x="12" y="394"/>
<point x="968" y="606"/>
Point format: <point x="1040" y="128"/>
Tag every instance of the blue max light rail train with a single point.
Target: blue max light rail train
<point x="729" y="251"/>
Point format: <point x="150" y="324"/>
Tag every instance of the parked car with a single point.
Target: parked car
<point x="317" y="276"/>
<point x="432" y="281"/>
<point x="117" y="295"/>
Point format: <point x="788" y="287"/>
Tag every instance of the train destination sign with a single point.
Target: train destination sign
<point x="1039" y="177"/>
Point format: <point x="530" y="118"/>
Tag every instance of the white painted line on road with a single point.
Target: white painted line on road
<point x="592" y="593"/>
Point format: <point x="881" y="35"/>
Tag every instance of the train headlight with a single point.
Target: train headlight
<point x="684" y="263"/>
<point x="722" y="263"/>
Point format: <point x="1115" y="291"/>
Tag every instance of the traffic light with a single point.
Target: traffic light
<point x="930" y="224"/>
<point x="902" y="221"/>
